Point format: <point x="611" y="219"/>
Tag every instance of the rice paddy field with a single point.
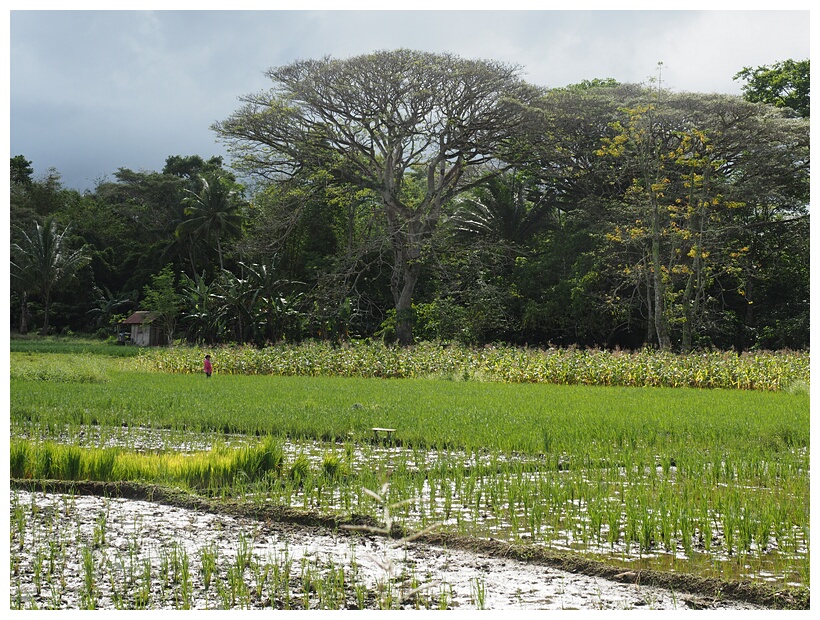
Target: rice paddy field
<point x="689" y="471"/>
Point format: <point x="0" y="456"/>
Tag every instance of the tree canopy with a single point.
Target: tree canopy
<point x="415" y="128"/>
<point x="407" y="195"/>
<point x="785" y="84"/>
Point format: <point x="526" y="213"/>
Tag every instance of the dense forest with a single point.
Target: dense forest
<point x="410" y="196"/>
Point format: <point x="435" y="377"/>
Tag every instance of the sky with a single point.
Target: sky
<point x="92" y="91"/>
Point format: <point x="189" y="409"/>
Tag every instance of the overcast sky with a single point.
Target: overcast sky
<point x="93" y="91"/>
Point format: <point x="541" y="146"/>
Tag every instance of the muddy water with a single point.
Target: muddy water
<point x="71" y="552"/>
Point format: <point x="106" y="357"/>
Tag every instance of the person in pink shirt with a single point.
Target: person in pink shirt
<point x="207" y="366"/>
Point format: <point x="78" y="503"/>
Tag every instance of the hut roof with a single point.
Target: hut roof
<point x="140" y="317"/>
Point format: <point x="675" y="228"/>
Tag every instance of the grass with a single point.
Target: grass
<point x="70" y="345"/>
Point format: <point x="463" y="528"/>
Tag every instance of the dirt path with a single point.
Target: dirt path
<point x="456" y="572"/>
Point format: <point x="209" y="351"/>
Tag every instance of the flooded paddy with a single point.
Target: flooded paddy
<point x="501" y="498"/>
<point x="74" y="551"/>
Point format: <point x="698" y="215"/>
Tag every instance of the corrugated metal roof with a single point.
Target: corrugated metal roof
<point x="140" y="317"/>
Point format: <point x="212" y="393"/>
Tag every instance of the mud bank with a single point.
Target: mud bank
<point x="147" y="528"/>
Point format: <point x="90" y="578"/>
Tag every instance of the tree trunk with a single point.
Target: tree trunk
<point x="23" y="313"/>
<point x="406" y="234"/>
<point x="688" y="315"/>
<point x="404" y="305"/>
<point x="661" y="328"/>
<point x="650" y="312"/>
<point x="46" y="308"/>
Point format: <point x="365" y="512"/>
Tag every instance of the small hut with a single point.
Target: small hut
<point x="143" y="332"/>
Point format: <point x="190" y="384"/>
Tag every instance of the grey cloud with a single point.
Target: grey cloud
<point x="93" y="91"/>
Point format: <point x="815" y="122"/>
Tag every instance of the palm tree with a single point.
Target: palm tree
<point x="107" y="303"/>
<point x="506" y="209"/>
<point x="43" y="264"/>
<point x="213" y="212"/>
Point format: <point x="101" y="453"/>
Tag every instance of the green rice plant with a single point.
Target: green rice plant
<point x="281" y="576"/>
<point x="728" y="521"/>
<point x="208" y="565"/>
<point x="244" y="553"/>
<point x="307" y="581"/>
<point x="20" y="521"/>
<point x="667" y="522"/>
<point x="44" y="463"/>
<point x="327" y="587"/>
<point x="469" y="416"/>
<point x="300" y="468"/>
<point x="90" y="592"/>
<point x="332" y="466"/>
<point x="20" y="456"/>
<point x="445" y="596"/>
<point x="260" y="577"/>
<point x="732" y="449"/>
<point x="227" y="596"/>
<point x="98" y="464"/>
<point x="596" y="513"/>
<point x="70" y="463"/>
<point x="184" y="580"/>
<point x="68" y="345"/>
<point x="100" y="529"/>
<point x="613" y="520"/>
<point x="37" y="564"/>
<point x="479" y="592"/>
<point x="746" y="528"/>
<point x="687" y="528"/>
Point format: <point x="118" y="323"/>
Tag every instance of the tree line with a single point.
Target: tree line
<point x="412" y="196"/>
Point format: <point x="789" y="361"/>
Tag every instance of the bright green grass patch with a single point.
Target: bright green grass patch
<point x="60" y="367"/>
<point x="70" y="346"/>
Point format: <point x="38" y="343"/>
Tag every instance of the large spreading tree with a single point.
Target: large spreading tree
<point x="414" y="128"/>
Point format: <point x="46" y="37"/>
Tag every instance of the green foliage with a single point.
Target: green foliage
<point x="567" y="247"/>
<point x="210" y="470"/>
<point x="465" y="413"/>
<point x="43" y="263"/>
<point x="161" y="298"/>
<point x="783" y="84"/>
<point x="373" y="140"/>
<point x="213" y="214"/>
<point x="300" y="468"/>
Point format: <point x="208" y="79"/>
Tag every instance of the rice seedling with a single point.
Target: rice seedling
<point x="208" y="565"/>
<point x="88" y="595"/>
<point x="479" y="592"/>
<point x="141" y="592"/>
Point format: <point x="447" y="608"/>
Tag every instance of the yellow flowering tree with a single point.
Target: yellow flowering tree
<point x="683" y="232"/>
